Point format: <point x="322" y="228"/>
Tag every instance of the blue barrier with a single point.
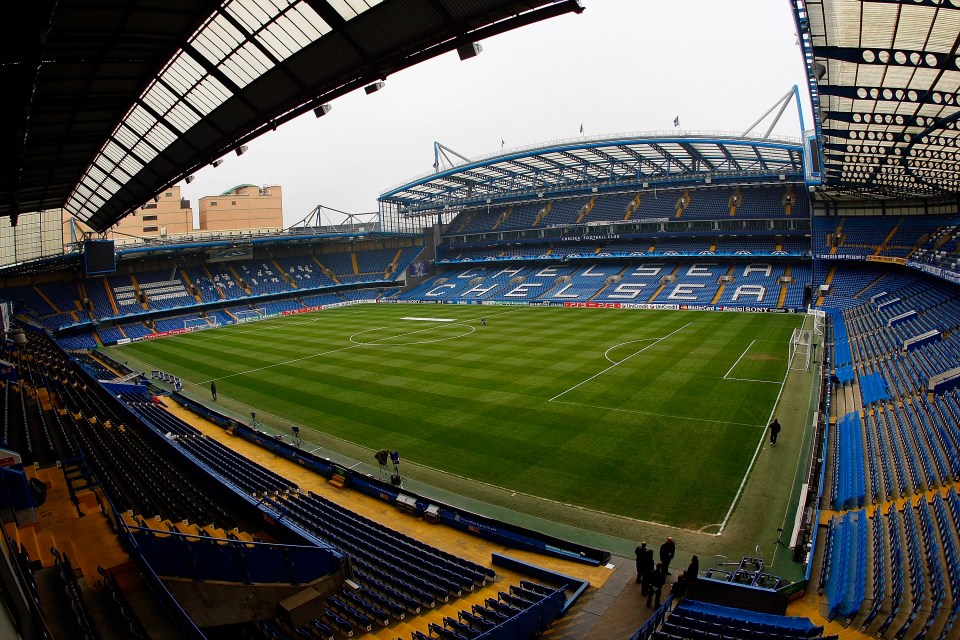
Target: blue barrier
<point x="742" y="618"/>
<point x="577" y="585"/>
<point x="646" y="631"/>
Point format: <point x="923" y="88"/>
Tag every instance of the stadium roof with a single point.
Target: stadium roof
<point x="884" y="78"/>
<point x="626" y="161"/>
<point x="107" y="103"/>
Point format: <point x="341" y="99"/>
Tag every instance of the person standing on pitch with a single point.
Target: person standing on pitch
<point x="774" y="432"/>
<point x="213" y="389"/>
<point x="667" y="550"/>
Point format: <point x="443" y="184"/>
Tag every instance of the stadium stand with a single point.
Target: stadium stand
<point x="695" y="619"/>
<point x="750" y="284"/>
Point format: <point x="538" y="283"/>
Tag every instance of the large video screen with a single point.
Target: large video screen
<point x="99" y="257"/>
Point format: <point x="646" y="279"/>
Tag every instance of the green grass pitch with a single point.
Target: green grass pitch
<point x="653" y="415"/>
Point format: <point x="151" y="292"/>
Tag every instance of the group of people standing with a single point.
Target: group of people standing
<point x="653" y="576"/>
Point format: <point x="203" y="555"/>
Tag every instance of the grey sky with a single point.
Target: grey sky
<point x="620" y="66"/>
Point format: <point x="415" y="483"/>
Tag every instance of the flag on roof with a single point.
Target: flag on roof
<point x="676" y="121"/>
<point x="581" y="127"/>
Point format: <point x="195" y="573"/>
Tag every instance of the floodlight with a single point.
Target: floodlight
<point x="373" y="88"/>
<point x="819" y="70"/>
<point x="323" y="110"/>
<point x="188" y="179"/>
<point x="216" y="163"/>
<point x="469" y="50"/>
<point x="242" y="149"/>
<point x="156" y="198"/>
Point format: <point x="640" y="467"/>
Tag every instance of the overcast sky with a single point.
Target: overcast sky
<point x="620" y="66"/>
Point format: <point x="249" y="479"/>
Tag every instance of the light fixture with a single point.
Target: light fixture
<point x="469" y="50"/>
<point x="188" y="179"/>
<point x="216" y="163"/>
<point x="156" y="198"/>
<point x="242" y="149"/>
<point x="373" y="88"/>
<point x="819" y="70"/>
<point x="323" y="110"/>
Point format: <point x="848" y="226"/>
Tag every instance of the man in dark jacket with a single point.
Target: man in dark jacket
<point x="667" y="550"/>
<point x="644" y="567"/>
<point x="213" y="389"/>
<point x="774" y="432"/>
<point x="657" y="580"/>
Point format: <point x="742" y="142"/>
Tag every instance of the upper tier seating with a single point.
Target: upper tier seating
<point x="654" y="204"/>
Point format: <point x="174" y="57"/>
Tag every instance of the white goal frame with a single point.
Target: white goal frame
<point x="249" y="315"/>
<point x="800" y="354"/>
<point x="198" y="323"/>
<point x="819" y="320"/>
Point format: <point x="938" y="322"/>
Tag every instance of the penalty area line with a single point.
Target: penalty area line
<point x="756" y="454"/>
<point x="726" y="376"/>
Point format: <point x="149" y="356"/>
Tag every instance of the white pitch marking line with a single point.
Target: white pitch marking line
<point x="756" y="453"/>
<point x="651" y="413"/>
<point x="323" y="353"/>
<point x="751" y="380"/>
<point x="351" y="346"/>
<point x="738" y="360"/>
<point x="605" y="353"/>
<point x="657" y="341"/>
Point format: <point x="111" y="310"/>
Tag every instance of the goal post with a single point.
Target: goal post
<point x="248" y="315"/>
<point x="819" y="319"/>
<point x="197" y="323"/>
<point x="801" y="350"/>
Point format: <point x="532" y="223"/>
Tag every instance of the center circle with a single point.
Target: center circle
<point x="397" y="340"/>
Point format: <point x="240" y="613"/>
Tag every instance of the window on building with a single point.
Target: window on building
<point x="168" y="194"/>
<point x="149" y="229"/>
<point x="150" y="218"/>
<point x="234" y="202"/>
<point x="150" y="205"/>
<point x="213" y="203"/>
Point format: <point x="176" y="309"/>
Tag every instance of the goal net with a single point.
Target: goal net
<point x="248" y="315"/>
<point x="801" y="350"/>
<point x="198" y="323"/>
<point x="819" y="319"/>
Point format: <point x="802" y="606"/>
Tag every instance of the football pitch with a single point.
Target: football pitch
<point x="653" y="415"/>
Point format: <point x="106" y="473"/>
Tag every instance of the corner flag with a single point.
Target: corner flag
<point x="676" y="121"/>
